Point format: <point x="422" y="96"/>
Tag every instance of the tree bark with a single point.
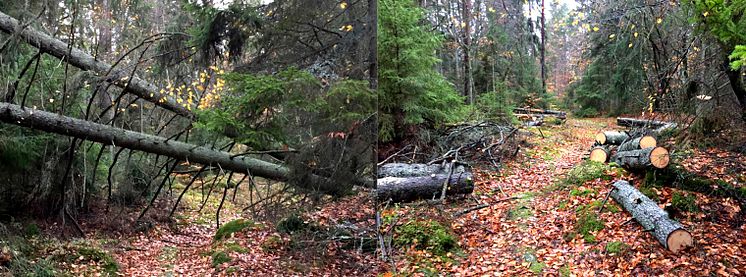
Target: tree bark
<point x="415" y="170"/>
<point x="54" y="123"/>
<point x="543" y="49"/>
<point x="648" y="158"/>
<point x="668" y="232"/>
<point x="373" y="44"/>
<point x="611" y="138"/>
<point x="633" y="122"/>
<point x="468" y="91"/>
<point x="638" y="143"/>
<point x="426" y="187"/>
<point x="85" y="61"/>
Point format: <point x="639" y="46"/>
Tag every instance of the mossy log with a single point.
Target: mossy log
<point x="407" y="189"/>
<point x="415" y="170"/>
<point x="600" y="154"/>
<point x="648" y="158"/>
<point x="668" y="232"/>
<point x="638" y="143"/>
<point x="611" y="137"/>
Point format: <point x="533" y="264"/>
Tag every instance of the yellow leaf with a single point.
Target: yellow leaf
<point x="492" y="10"/>
<point x="636" y="34"/>
<point x="659" y="20"/>
<point x="595" y="29"/>
<point x="612" y="36"/>
<point x="343" y="5"/>
<point x="630" y="45"/>
<point x="706" y="14"/>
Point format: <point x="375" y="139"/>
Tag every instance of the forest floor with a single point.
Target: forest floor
<point x="543" y="218"/>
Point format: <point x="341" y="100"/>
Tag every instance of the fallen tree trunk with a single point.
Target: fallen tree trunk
<point x="634" y="122"/>
<point x="415" y="170"/>
<point x="648" y="158"/>
<point x="80" y="59"/>
<point x="63" y="125"/>
<point x="600" y="154"/>
<point x="638" y="143"/>
<point x="611" y="137"/>
<point x="559" y="114"/>
<point x="668" y="232"/>
<point x="407" y="189"/>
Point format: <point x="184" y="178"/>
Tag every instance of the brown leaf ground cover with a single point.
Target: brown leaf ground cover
<point x="554" y="228"/>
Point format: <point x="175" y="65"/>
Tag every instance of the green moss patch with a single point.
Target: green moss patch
<point x="425" y="235"/>
<point x="684" y="202"/>
<point x="616" y="247"/>
<point x="231" y="227"/>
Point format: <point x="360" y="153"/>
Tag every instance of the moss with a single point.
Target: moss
<point x="108" y="263"/>
<point x="583" y="192"/>
<point x="684" y="202"/>
<point x="587" y="171"/>
<point x="519" y="212"/>
<point x="220" y="257"/>
<point x="650" y="193"/>
<point x="616" y="247"/>
<point x="587" y="223"/>
<point x="235" y="247"/>
<point x="272" y="244"/>
<point x="537" y="267"/>
<point x="562" y="205"/>
<point x="565" y="271"/>
<point x="231" y="227"/>
<point x="425" y="235"/>
<point x="32" y="230"/>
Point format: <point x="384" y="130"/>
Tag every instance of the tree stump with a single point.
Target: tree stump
<point x="600" y="154"/>
<point x="668" y="232"/>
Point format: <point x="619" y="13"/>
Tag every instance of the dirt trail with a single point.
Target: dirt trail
<point x="536" y="234"/>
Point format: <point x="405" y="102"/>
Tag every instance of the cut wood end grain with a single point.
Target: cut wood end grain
<point x="679" y="240"/>
<point x="648" y="141"/>
<point x="659" y="157"/>
<point x="601" y="138"/>
<point x="599" y="154"/>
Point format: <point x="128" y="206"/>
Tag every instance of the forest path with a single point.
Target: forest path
<point x="554" y="226"/>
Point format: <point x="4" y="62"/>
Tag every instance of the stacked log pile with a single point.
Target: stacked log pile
<point x="635" y="149"/>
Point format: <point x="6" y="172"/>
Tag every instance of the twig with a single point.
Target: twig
<point x="482" y="206"/>
<point x="606" y="199"/>
<point x="393" y="155"/>
<point x="448" y="180"/>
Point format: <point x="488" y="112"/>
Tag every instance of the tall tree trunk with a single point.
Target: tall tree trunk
<point x="543" y="49"/>
<point x="105" y="134"/>
<point x="373" y="51"/>
<point x="103" y="47"/>
<point x="736" y="82"/>
<point x="468" y="91"/>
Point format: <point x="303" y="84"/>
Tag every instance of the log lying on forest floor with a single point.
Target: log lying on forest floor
<point x="108" y="135"/>
<point x="611" y="137"/>
<point x="638" y="143"/>
<point x="600" y="154"/>
<point x="407" y="189"/>
<point x="415" y="170"/>
<point x="658" y="126"/>
<point x="80" y="59"/>
<point x="668" y="232"/>
<point x="558" y="114"/>
<point x="648" y="158"/>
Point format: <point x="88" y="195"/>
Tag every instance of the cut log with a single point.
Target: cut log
<point x="426" y="187"/>
<point x="668" y="232"/>
<point x="648" y="158"/>
<point x="638" y="143"/>
<point x="634" y="122"/>
<point x="415" y="170"/>
<point x="108" y="135"/>
<point x="80" y="59"/>
<point x="600" y="154"/>
<point x="611" y="138"/>
<point x="558" y="114"/>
